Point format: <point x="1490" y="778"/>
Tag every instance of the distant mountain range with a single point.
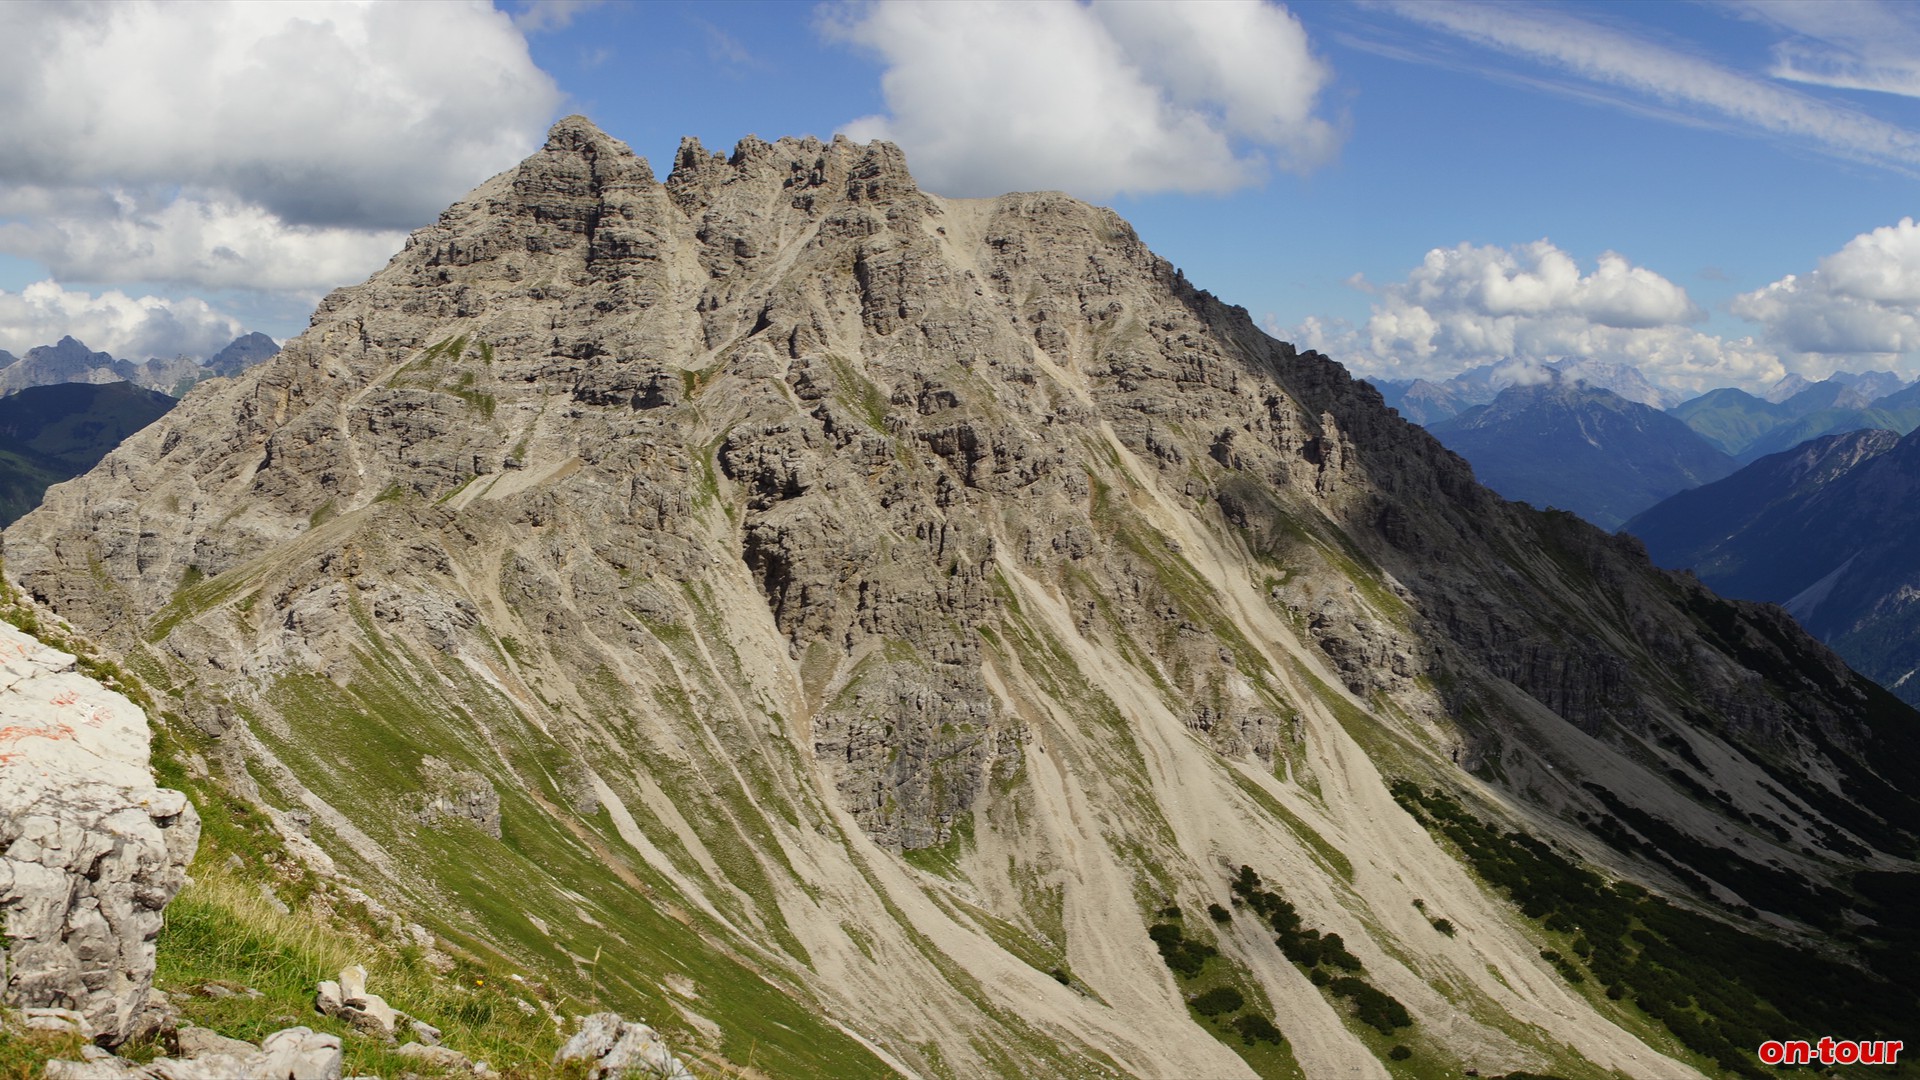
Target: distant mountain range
<point x="1573" y="446"/>
<point x="1425" y="402"/>
<point x="1870" y="384"/>
<point x="70" y="361"/>
<point x="1820" y="519"/>
<point x="1751" y="427"/>
<point x="64" y="406"/>
<point x="1827" y="531"/>
<point x="1561" y="434"/>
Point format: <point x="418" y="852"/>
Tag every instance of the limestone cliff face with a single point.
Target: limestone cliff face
<point x="90" y="850"/>
<point x="745" y="530"/>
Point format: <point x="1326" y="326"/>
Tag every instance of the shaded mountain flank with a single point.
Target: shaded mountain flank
<point x="1576" y="447"/>
<point x="900" y="634"/>
<point x="49" y="434"/>
<point x="1825" y="530"/>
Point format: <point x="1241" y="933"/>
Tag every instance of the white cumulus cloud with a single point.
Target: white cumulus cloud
<point x="128" y="327"/>
<point x="1471" y="305"/>
<point x="281" y="145"/>
<point x="205" y="240"/>
<point x="1862" y="300"/>
<point x="1095" y="99"/>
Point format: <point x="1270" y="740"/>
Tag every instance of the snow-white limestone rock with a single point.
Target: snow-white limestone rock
<point x="90" y="850"/>
<point x="613" y="1046"/>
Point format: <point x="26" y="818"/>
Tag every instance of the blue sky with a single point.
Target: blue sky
<point x="1719" y="193"/>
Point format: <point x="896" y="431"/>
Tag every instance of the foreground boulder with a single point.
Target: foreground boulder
<point x="291" y="1054"/>
<point x="90" y="850"/>
<point x="614" y="1047"/>
<point x="349" y="1000"/>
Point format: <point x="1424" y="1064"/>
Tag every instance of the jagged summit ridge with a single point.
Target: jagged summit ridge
<point x="890" y="597"/>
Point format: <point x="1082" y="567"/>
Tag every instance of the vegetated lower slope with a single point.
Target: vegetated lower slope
<point x="1902" y="420"/>
<point x="1576" y="447"/>
<point x="1825" y="530"/>
<point x="887" y="625"/>
<point x="53" y="433"/>
<point x="1730" y="418"/>
<point x="234" y="958"/>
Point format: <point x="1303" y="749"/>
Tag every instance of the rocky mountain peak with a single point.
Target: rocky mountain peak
<point x="917" y="595"/>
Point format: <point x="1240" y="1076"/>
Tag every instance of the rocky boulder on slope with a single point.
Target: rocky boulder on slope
<point x="90" y="850"/>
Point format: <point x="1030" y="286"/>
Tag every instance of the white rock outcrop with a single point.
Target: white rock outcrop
<point x="615" y="1047"/>
<point x="290" y="1054"/>
<point x="349" y="1000"/>
<point x="90" y="850"/>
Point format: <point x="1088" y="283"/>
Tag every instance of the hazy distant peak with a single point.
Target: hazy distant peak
<point x="1870" y="385"/>
<point x="242" y="353"/>
<point x="1785" y="388"/>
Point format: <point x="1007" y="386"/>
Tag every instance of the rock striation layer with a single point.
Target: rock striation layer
<point x="90" y="850"/>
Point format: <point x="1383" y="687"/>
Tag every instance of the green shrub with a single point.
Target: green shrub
<point x="1400" y="1052"/>
<point x="1186" y="958"/>
<point x="1718" y="988"/>
<point x="1254" y="1027"/>
<point x="1374" y="1007"/>
<point x="1565" y="966"/>
<point x="1219" y="1000"/>
<point x="1334" y="951"/>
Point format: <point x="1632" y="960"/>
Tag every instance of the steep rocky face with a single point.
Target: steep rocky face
<point x="883" y="608"/>
<point x="90" y="850"/>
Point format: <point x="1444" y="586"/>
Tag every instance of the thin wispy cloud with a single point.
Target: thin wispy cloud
<point x="545" y="16"/>
<point x="724" y="48"/>
<point x="1844" y="44"/>
<point x="1439" y="55"/>
<point x="1641" y="74"/>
